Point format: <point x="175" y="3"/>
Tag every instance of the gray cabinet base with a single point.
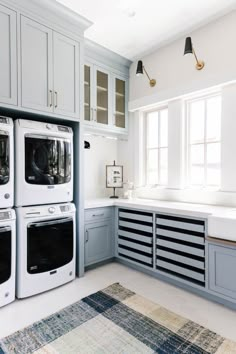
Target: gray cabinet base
<point x="201" y="292"/>
<point x="99" y="264"/>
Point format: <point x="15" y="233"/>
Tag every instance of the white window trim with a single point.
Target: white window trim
<point x="205" y="142"/>
<point x="145" y="148"/>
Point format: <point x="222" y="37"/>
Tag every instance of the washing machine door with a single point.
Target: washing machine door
<point x="4" y="158"/>
<point x="50" y="244"/>
<point x="47" y="160"/>
<point x="5" y="254"/>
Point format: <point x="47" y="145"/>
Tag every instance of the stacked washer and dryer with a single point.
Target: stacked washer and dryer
<point x="46" y="235"/>
<point x="38" y="238"/>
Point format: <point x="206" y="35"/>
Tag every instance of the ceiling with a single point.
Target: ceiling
<point x="133" y="28"/>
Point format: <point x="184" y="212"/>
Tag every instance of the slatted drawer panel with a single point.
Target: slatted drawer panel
<point x="135" y="236"/>
<point x="180" y="247"/>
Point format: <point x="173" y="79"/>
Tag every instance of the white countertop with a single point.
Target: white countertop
<point x="189" y="209"/>
<point x="221" y="220"/>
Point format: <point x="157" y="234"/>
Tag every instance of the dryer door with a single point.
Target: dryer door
<point x="4" y="158"/>
<point x="47" y="160"/>
<point x="50" y="244"/>
<point x="5" y="254"/>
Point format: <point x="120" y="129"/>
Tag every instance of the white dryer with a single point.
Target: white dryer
<point x="46" y="246"/>
<point x="44" y="163"/>
<point x="7" y="256"/>
<point x="6" y="163"/>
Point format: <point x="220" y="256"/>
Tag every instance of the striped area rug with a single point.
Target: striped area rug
<point x="115" y="320"/>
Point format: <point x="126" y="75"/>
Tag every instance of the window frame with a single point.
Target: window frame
<point x="158" y="147"/>
<point x="205" y="142"/>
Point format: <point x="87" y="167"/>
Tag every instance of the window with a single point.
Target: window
<point x="157" y="147"/>
<point x="204" y="130"/>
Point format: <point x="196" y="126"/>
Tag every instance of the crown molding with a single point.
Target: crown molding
<point x="104" y="55"/>
<point x="51" y="11"/>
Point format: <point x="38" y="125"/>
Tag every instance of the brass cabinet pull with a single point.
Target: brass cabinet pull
<point x="56" y="99"/>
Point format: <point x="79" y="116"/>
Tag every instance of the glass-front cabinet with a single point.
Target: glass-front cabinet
<point x="105" y="99"/>
<point x="88" y="112"/>
<point x="120" y="103"/>
<point x="102" y="97"/>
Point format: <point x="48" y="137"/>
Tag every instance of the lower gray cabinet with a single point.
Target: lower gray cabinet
<point x="222" y="270"/>
<point x="98" y="242"/>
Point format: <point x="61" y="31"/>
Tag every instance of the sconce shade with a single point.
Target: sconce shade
<point x="86" y="144"/>
<point x="188" y="46"/>
<point x="139" y="70"/>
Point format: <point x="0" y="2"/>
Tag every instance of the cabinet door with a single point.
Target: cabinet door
<point x="120" y="102"/>
<point x="36" y="66"/>
<point x="222" y="265"/>
<point x="88" y="86"/>
<point x="8" y="64"/>
<point x="66" y="75"/>
<point x="98" y="242"/>
<point x="102" y="111"/>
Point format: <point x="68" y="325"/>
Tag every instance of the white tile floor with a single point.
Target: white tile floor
<point x="22" y="313"/>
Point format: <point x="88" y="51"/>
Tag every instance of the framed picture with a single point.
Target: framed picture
<point x="114" y="176"/>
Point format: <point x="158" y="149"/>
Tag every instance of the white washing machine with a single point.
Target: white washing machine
<point x="7" y="256"/>
<point x="44" y="163"/>
<point x="6" y="163"/>
<point x="46" y="247"/>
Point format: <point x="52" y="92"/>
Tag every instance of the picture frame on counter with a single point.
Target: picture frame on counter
<point x="114" y="177"/>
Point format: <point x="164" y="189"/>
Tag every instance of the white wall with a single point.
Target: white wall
<point x="102" y="152"/>
<point x="177" y="77"/>
<point x="176" y="74"/>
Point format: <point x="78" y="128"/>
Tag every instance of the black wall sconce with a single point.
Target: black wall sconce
<point x="86" y="144"/>
<point x="141" y="69"/>
<point x="188" y="49"/>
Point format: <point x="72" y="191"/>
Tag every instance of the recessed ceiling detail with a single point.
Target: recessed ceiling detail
<point x="133" y="28"/>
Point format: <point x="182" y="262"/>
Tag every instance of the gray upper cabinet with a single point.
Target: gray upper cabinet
<point x="97" y="96"/>
<point x="66" y="74"/>
<point x="102" y="96"/>
<point x="98" y="242"/>
<point x="120" y="102"/>
<point x="8" y="57"/>
<point x="88" y="84"/>
<point x="49" y="70"/>
<point x="105" y="99"/>
<point x="222" y="265"/>
<point x="36" y="66"/>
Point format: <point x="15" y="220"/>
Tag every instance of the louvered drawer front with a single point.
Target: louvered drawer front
<point x="135" y="236"/>
<point x="180" y="247"/>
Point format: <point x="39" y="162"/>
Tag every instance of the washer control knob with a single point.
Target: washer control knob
<point x="7" y="196"/>
<point x="51" y="210"/>
<point x="49" y="126"/>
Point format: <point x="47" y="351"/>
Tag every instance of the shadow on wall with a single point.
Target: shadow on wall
<point x="103" y="151"/>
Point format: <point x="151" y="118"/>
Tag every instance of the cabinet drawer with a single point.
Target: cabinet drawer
<point x="222" y="265"/>
<point x="180" y="223"/>
<point x="135" y="256"/>
<point x="97" y="214"/>
<point x="181" y="270"/>
<point x="181" y="248"/>
<point x="184" y="260"/>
